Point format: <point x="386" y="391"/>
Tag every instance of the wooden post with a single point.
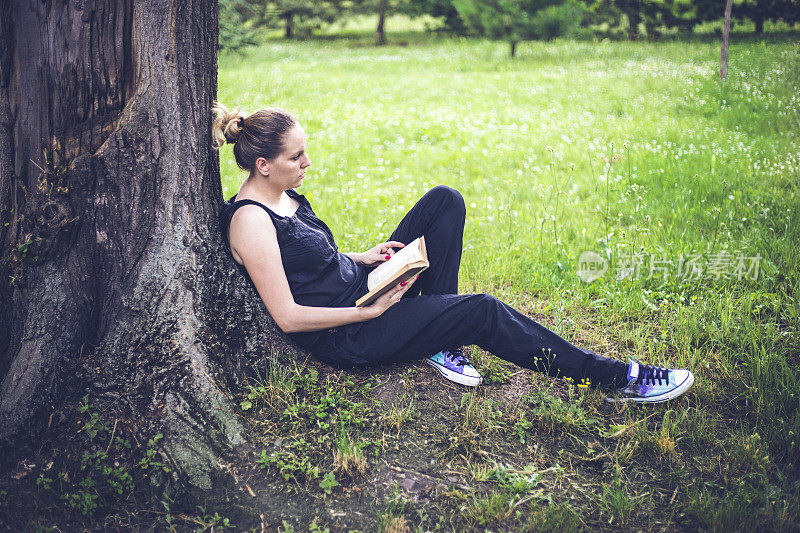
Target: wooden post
<point x="726" y="32"/>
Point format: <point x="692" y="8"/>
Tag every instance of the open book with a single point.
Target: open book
<point x="404" y="265"/>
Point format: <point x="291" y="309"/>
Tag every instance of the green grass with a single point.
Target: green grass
<point x="610" y="147"/>
<point x="616" y="148"/>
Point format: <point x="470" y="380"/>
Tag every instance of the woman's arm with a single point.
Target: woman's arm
<point x="375" y="255"/>
<point x="358" y="257"/>
<point x="254" y="241"/>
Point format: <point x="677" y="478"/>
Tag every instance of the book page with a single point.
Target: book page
<point x="401" y="258"/>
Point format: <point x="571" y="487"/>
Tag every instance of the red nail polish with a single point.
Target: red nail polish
<point x="403" y="284"/>
<point x="387" y="257"/>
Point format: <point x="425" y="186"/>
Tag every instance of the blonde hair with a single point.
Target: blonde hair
<point x="227" y="124"/>
<point x="259" y="134"/>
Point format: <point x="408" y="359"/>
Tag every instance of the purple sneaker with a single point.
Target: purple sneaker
<point x="652" y="384"/>
<point x="455" y="367"/>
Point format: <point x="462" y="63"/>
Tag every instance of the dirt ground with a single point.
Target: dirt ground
<point x="436" y="456"/>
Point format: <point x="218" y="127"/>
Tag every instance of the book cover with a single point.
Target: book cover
<point x="404" y="265"/>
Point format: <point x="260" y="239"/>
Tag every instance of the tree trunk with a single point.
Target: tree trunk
<point x="633" y="10"/>
<point x="115" y="277"/>
<point x="380" y="34"/>
<point x="726" y="32"/>
<point x="8" y="187"/>
<point x="759" y="20"/>
<point x="513" y="49"/>
<point x="288" y="33"/>
<point x="633" y="20"/>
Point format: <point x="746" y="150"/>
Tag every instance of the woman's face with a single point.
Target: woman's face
<point x="289" y="167"/>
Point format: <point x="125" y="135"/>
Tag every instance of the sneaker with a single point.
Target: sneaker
<point x="653" y="384"/>
<point x="455" y="367"/>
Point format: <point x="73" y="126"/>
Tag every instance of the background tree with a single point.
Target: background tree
<point x="443" y="9"/>
<point x="760" y="11"/>
<point x="113" y="278"/>
<point x="519" y="20"/>
<point x="668" y="14"/>
<point x="656" y="15"/>
<point x="653" y="14"/>
<point x="299" y="16"/>
<point x="632" y="9"/>
<point x="235" y="23"/>
<point x="382" y="8"/>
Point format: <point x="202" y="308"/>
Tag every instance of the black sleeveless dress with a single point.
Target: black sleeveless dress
<point x="319" y="275"/>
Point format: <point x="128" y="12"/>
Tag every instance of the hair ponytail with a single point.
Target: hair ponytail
<point x="227" y="125"/>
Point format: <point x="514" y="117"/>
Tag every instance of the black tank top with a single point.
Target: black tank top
<point x="318" y="274"/>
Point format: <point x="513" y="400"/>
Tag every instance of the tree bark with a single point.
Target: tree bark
<point x="513" y="45"/>
<point x="115" y="278"/>
<point x="726" y="32"/>
<point x="8" y="188"/>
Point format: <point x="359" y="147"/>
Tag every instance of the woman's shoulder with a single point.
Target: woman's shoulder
<point x="243" y="217"/>
<point x="249" y="224"/>
<point x="245" y="211"/>
<point x="250" y="210"/>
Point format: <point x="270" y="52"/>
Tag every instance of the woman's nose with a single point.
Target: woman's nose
<point x="307" y="162"/>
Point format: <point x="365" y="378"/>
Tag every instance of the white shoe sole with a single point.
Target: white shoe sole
<point x="669" y="395"/>
<point x="461" y="379"/>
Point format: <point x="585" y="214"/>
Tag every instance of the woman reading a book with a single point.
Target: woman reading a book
<point x="310" y="288"/>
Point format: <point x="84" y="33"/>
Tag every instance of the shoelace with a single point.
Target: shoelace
<point x="650" y="374"/>
<point x="456" y="354"/>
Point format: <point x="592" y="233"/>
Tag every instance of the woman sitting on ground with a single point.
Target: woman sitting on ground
<point x="310" y="288"/>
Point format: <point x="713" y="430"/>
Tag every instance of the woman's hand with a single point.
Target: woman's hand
<point x="388" y="299"/>
<point x="379" y="254"/>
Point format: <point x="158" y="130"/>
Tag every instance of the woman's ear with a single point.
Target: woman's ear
<point x="262" y="166"/>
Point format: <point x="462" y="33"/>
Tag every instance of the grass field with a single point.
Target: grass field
<point x="682" y="183"/>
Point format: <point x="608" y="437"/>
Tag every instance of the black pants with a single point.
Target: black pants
<point x="431" y="316"/>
